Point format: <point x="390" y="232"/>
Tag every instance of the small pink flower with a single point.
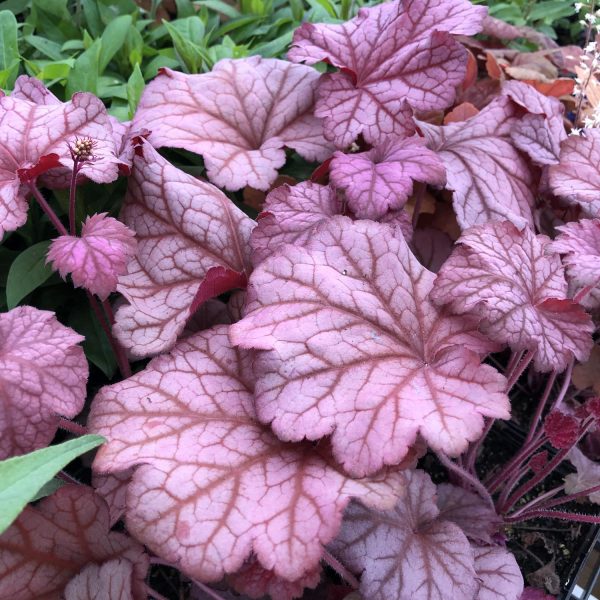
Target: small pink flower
<point x="97" y="258"/>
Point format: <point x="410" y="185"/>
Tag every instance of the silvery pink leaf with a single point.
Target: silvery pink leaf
<point x="579" y="242"/>
<point x="192" y="245"/>
<point x="382" y="179"/>
<point x="408" y="552"/>
<point x="391" y="59"/>
<point x="504" y="31"/>
<point x="32" y="89"/>
<point x="577" y="177"/>
<point x="240" y="116"/>
<point x="289" y="216"/>
<point x="498" y="574"/>
<point x="43" y="374"/>
<point x="112" y="488"/>
<point x="213" y="485"/>
<point x="110" y="581"/>
<point x="34" y="138"/>
<point x="431" y="247"/>
<point x="469" y="511"/>
<point x="51" y="543"/>
<point x="97" y="258"/>
<point x="587" y="475"/>
<point x="518" y="289"/>
<point x="400" y="366"/>
<point x="540" y="132"/>
<point x="255" y="581"/>
<point x="490" y="179"/>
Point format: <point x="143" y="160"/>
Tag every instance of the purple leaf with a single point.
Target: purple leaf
<point x="192" y="243"/>
<point x="431" y="247"/>
<point x="580" y="244"/>
<point x="407" y="553"/>
<point x="213" y="485"/>
<point x="112" y="488"/>
<point x="490" y="179"/>
<point x="498" y="574"/>
<point x="382" y="178"/>
<point x="43" y="374"/>
<point x="239" y="117"/>
<point x="110" y="581"/>
<point x="391" y="58"/>
<point x="97" y="258"/>
<point x="587" y="475"/>
<point x="290" y="215"/>
<point x="506" y="277"/>
<point x="400" y="366"/>
<point x="577" y="177"/>
<point x="469" y="511"/>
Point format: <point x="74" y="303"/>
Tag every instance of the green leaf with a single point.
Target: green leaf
<point x="15" y="6"/>
<point x="187" y="35"/>
<point x="27" y="272"/>
<point x="113" y="38"/>
<point x="184" y="9"/>
<point x="220" y="7"/>
<point x="135" y="86"/>
<point x="551" y="11"/>
<point x="48" y="488"/>
<point x="84" y="74"/>
<point x="92" y="17"/>
<point x="56" y="70"/>
<point x="276" y="47"/>
<point x="9" y="48"/>
<point x="47" y="47"/>
<point x="22" y="477"/>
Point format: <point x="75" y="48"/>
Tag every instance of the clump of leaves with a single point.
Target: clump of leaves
<point x="434" y="240"/>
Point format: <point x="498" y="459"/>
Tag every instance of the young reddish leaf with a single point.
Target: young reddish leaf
<point x="531" y="593"/>
<point x="577" y="177"/>
<point x="43" y="374"/>
<point x="506" y="277"/>
<point x="408" y="552"/>
<point x="185" y="227"/>
<point x="256" y="582"/>
<point x="97" y="258"/>
<point x="213" y="484"/>
<point x="382" y="178"/>
<point x="498" y="574"/>
<point x="110" y="581"/>
<point x="432" y="247"/>
<point x="580" y="243"/>
<point x="462" y="112"/>
<point x="400" y="366"/>
<point x="473" y="515"/>
<point x="587" y="475"/>
<point x="49" y="544"/>
<point x="392" y="58"/>
<point x="112" y="488"/>
<point x="540" y="132"/>
<point x="490" y="179"/>
<point x="290" y="215"/>
<point x="35" y="138"/>
<point x="239" y="117"/>
<point x="562" y="429"/>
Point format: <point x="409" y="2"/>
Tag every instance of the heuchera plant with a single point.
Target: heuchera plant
<point x="310" y="366"/>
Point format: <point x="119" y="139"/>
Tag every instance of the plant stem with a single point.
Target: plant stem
<point x="539" y="501"/>
<point x="519" y="368"/>
<point x="73" y="196"/>
<point x="479" y="487"/>
<point x="48" y="210"/>
<point x="554" y="514"/>
<point x="208" y="591"/>
<point x="154" y="594"/>
<point x="474" y="448"/>
<point x="540" y="407"/>
<point x="72" y="427"/>
<point x="119" y="353"/>
<point x="340" y="569"/>
<point x="565" y="386"/>
<point x="568" y="497"/>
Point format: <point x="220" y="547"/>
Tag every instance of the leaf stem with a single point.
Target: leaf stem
<point x="340" y="569"/>
<point x="48" y="210"/>
<point x="73" y="195"/>
<point x="519" y="369"/>
<point x="152" y="593"/>
<point x="72" y="427"/>
<point x="554" y="514"/>
<point x="474" y="448"/>
<point x="208" y="591"/>
<point x="540" y="407"/>
<point x="566" y="498"/>
<point x="565" y="386"/>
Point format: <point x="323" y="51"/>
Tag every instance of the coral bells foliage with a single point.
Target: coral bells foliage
<point x="303" y="362"/>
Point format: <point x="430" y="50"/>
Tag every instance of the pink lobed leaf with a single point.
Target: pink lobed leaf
<point x="256" y="582"/>
<point x="400" y="366"/>
<point x="473" y="515"/>
<point x="38" y="136"/>
<point x="577" y="177"/>
<point x="579" y="242"/>
<point x="392" y="58"/>
<point x="290" y="215"/>
<point x="97" y="258"/>
<point x="540" y="132"/>
<point x="382" y="178"/>
<point x="50" y="544"/>
<point x="504" y="276"/>
<point x="239" y="117"/>
<point x="498" y="574"/>
<point x="110" y="581"/>
<point x="408" y="552"/>
<point x="213" y="485"/>
<point x="587" y="475"/>
<point x="192" y="244"/>
<point x="43" y="374"/>
<point x="490" y="179"/>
